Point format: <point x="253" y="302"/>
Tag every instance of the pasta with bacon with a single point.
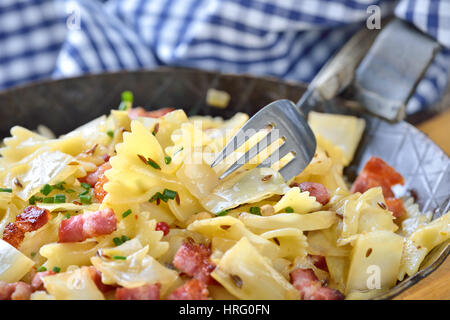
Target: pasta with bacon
<point x="128" y="207"/>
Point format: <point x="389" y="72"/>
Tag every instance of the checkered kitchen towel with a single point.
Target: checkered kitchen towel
<point x="290" y="39"/>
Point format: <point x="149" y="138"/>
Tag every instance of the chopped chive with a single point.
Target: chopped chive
<point x="9" y="190"/>
<point x="119" y="258"/>
<point x="110" y="133"/>
<point x="85" y="198"/>
<point x="169" y="194"/>
<point x="59" y="185"/>
<point x="167" y="159"/>
<point x="117" y="241"/>
<point x="127" y="96"/>
<point x="70" y="190"/>
<point x="124" y="238"/>
<point x="223" y="213"/>
<point x="86" y="186"/>
<point x="255" y="210"/>
<point x="41" y="269"/>
<point x="34" y="199"/>
<point x="60" y="198"/>
<point x="67" y="216"/>
<point x="126" y="213"/>
<point x="33" y="254"/>
<point x="56" y="269"/>
<point x="153" y="164"/>
<point x="85" y="192"/>
<point x="46" y="189"/>
<point x="48" y="200"/>
<point x="156" y="196"/>
<point x="289" y="210"/>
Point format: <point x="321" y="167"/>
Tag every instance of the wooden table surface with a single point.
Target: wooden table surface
<point x="436" y="285"/>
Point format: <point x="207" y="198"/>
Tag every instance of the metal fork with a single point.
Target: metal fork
<point x="287" y="120"/>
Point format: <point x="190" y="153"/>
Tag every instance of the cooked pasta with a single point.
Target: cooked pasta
<point x="128" y="207"/>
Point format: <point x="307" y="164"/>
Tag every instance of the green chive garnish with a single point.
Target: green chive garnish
<point x="153" y="164"/>
<point x="48" y="200"/>
<point x="33" y="254"/>
<point x="124" y="238"/>
<point x="85" y="198"/>
<point x="126" y="213"/>
<point x="255" y="210"/>
<point x="70" y="191"/>
<point x="86" y="186"/>
<point x="223" y="212"/>
<point x="117" y="241"/>
<point x="85" y="192"/>
<point x="59" y="186"/>
<point x="6" y="190"/>
<point x="119" y="258"/>
<point x="169" y="194"/>
<point x="67" y="216"/>
<point x="127" y="96"/>
<point x="110" y="133"/>
<point x="127" y="100"/>
<point x="56" y="269"/>
<point x="46" y="189"/>
<point x="181" y="149"/>
<point x="289" y="210"/>
<point x="167" y="159"/>
<point x="60" y="198"/>
<point x="34" y="199"/>
<point x="41" y="269"/>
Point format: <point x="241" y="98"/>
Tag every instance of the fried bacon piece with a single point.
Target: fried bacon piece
<point x="396" y="207"/>
<point x="192" y="290"/>
<point x="15" y="291"/>
<point x="377" y="173"/>
<point x="99" y="192"/>
<point x="37" y="283"/>
<point x="316" y="190"/>
<point x="310" y="287"/>
<point x="141" y="112"/>
<point x="97" y="278"/>
<point x="193" y="260"/>
<point x="319" y="262"/>
<point x="87" y="225"/>
<point x="146" y="292"/>
<point x="31" y="219"/>
<point x="92" y="177"/>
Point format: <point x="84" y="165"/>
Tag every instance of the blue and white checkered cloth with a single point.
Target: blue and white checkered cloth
<point x="289" y="39"/>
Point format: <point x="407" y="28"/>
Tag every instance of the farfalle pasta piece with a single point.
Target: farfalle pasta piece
<point x="298" y="201"/>
<point x="63" y="255"/>
<point x="133" y="181"/>
<point x="231" y="228"/>
<point x="292" y="242"/>
<point x="303" y="222"/>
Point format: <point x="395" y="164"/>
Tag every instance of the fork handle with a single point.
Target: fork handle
<point x="338" y="72"/>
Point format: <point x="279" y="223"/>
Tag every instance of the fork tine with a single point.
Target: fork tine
<point x="250" y="154"/>
<point x="275" y="156"/>
<point x="291" y="169"/>
<point x="241" y="137"/>
<point x="231" y="146"/>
